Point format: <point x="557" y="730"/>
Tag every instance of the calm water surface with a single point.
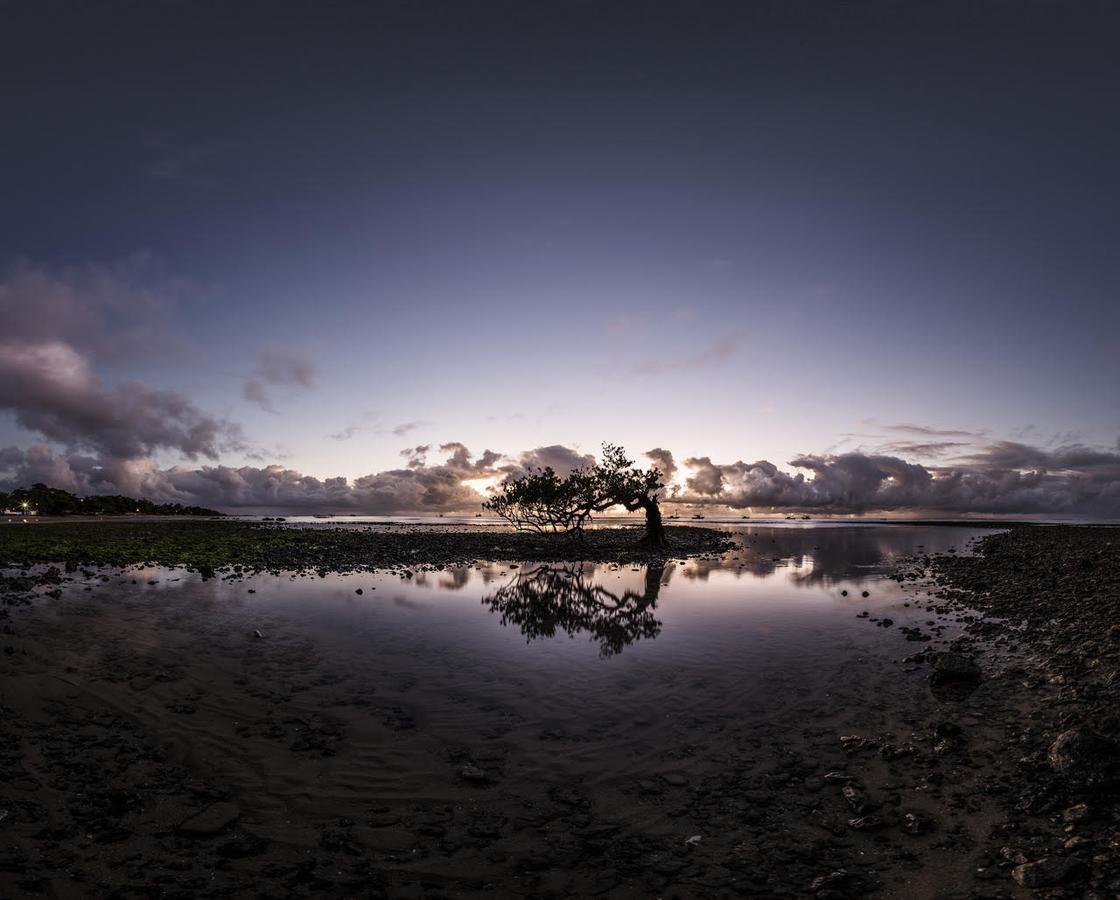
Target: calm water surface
<point x="641" y="700"/>
<point x="569" y="644"/>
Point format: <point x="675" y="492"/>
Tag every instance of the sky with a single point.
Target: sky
<point x="257" y="253"/>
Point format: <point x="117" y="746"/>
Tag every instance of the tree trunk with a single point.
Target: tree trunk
<point x="655" y="528"/>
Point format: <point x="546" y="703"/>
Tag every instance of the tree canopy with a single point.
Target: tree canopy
<point x="48" y="501"/>
<point x="542" y="501"/>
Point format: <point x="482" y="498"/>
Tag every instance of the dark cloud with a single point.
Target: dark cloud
<point x="417" y="489"/>
<point x="931" y="448"/>
<point x="286" y="366"/>
<point x="277" y="366"/>
<point x="1073" y="458"/>
<point x="109" y="313"/>
<point x="557" y="457"/>
<point x="417" y="456"/>
<point x="706" y="478"/>
<point x="53" y="391"/>
<point x="1004" y="478"/>
<point x="461" y="459"/>
<point x="664" y="461"/>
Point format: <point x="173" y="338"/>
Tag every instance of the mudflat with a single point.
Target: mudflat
<point x="786" y="712"/>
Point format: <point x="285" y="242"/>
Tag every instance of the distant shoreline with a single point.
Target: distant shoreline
<point x="296" y="520"/>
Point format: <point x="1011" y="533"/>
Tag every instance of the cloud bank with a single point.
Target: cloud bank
<point x="52" y="390"/>
<point x="1004" y="478"/>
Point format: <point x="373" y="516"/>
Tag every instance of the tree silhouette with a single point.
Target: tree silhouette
<point x="561" y="599"/>
<point x="542" y="501"/>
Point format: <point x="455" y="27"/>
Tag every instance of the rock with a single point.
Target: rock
<point x="473" y="774"/>
<point x="914" y="823"/>
<point x="675" y="780"/>
<point x="1079" y="812"/>
<point x="211" y="820"/>
<point x="1083" y="754"/>
<point x="865" y="823"/>
<point x="831" y="881"/>
<point x="855" y="798"/>
<point x="1046" y="872"/>
<point x="952" y="667"/>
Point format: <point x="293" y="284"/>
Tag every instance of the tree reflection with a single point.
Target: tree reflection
<point x="551" y="599"/>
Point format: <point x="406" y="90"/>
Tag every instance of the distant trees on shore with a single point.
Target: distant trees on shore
<point x="542" y="501"/>
<point x="48" y="501"/>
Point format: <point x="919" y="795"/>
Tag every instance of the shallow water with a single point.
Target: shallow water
<point x="643" y="690"/>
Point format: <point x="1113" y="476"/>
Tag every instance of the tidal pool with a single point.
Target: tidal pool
<point x="551" y="729"/>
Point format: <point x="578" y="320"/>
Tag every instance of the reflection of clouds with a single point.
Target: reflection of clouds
<point x="814" y="556"/>
<point x="403" y="601"/>
<point x="455" y="579"/>
<point x="551" y="599"/>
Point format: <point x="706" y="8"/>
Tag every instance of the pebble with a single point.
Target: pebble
<point x="211" y="820"/>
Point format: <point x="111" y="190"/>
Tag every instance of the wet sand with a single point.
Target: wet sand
<point x="711" y="727"/>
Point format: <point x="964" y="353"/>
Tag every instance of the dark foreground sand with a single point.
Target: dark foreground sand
<point x="145" y="751"/>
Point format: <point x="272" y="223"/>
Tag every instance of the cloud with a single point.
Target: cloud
<point x="925" y="430"/>
<point x="417" y="456"/>
<point x="53" y="391"/>
<point x="931" y="448"/>
<point x="346" y="434"/>
<point x="706" y="479"/>
<point x="1070" y="459"/>
<point x="405" y="427"/>
<point x="718" y="352"/>
<point x="664" y="461"/>
<point x="1003" y="478"/>
<point x="278" y="366"/>
<point x="286" y="365"/>
<point x="557" y="457"/>
<point x="354" y="428"/>
<point x="110" y="313"/>
<point x="418" y="489"/>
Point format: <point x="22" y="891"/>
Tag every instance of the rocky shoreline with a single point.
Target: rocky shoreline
<point x="1049" y="604"/>
<point x="239" y="548"/>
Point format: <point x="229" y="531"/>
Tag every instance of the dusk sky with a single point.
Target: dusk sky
<point x="236" y="235"/>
